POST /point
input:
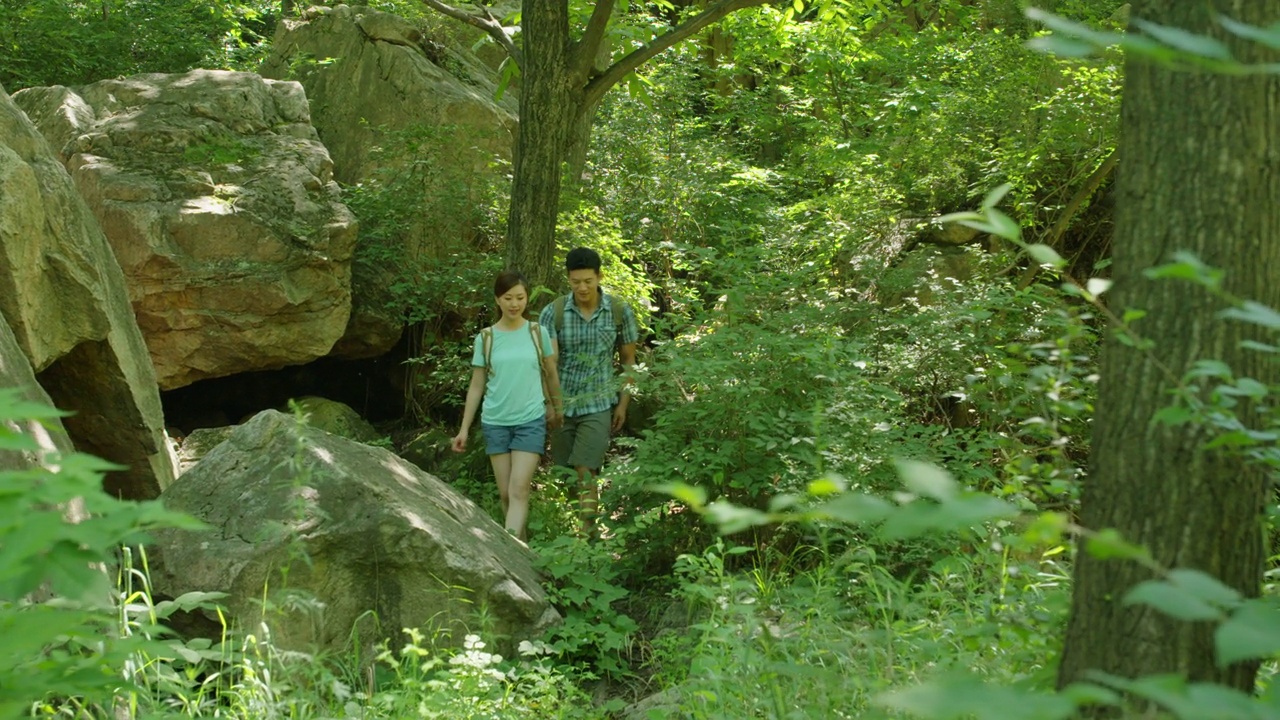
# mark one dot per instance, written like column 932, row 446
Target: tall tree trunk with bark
column 1201, row 173
column 547, row 108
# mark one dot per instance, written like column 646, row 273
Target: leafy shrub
column 47, row 42
column 61, row 532
column 426, row 254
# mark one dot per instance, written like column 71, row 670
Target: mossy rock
column 338, row 419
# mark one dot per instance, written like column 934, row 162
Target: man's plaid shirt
column 587, row 349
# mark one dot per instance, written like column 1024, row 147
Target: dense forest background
column 852, row 482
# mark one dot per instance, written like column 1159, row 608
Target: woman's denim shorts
column 530, row 437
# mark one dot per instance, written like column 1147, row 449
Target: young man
column 587, row 327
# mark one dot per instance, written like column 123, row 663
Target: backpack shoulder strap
column 486, row 343
column 558, row 313
column 616, row 306
column 618, row 314
column 536, row 331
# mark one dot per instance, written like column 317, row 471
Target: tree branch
column 599, row 85
column 1069, row 212
column 487, row 23
column 584, row 51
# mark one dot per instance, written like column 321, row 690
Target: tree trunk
column 577, row 143
column 1199, row 173
column 547, row 107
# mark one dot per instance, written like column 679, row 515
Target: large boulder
column 219, row 201
column 336, row 418
column 379, row 543
column 63, row 295
column 368, row 73
column 17, row 376
column 403, row 108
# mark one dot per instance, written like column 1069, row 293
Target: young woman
column 513, row 369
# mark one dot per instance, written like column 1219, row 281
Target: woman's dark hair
column 508, row 279
column 582, row 259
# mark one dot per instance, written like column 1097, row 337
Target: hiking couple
column 554, row 374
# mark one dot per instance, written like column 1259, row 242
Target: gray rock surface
column 386, row 545
column 64, row 298
column 391, row 101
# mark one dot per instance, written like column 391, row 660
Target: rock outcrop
column 220, row 204
column 398, row 109
column 380, row 544
column 17, row 376
column 63, row 295
column 367, row 73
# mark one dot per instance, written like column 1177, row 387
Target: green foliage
column 48, row 42
column 60, row 532
column 425, row 255
column 231, row 151
column 584, row 586
column 472, row 683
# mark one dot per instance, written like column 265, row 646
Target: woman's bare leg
column 520, row 479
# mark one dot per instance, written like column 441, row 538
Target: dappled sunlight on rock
column 380, row 536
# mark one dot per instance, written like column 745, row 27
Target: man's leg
column 590, row 443
column 588, row 499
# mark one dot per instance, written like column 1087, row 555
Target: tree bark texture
column 547, row 107
column 1201, row 173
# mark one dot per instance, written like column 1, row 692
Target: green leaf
column 1173, row 416
column 735, row 518
column 694, row 497
column 927, row 480
column 1255, row 313
column 994, row 197
column 1108, row 544
column 1171, row 600
column 1246, row 387
column 1209, row 368
column 1251, row 633
column 1199, row 45
column 959, row 217
column 1133, row 315
column 1259, row 347
column 916, row 519
column 828, row 485
column 1205, row 586
column 1062, row 46
column 854, row 509
column 1003, row 225
column 965, row 697
column 1187, row 267
column 1045, row 255
column 1266, row 36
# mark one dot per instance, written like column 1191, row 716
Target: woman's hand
column 460, row 442
column 555, row 418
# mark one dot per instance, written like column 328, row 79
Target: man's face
column 585, row 284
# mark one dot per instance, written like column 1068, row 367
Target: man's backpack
column 535, row 331
column 619, row 316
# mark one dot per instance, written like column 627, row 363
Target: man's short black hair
column 582, row 259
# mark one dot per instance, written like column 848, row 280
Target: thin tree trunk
column 1200, row 174
column 577, row 143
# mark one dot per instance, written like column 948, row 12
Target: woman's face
column 513, row 302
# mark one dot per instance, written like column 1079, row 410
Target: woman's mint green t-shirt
column 513, row 392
